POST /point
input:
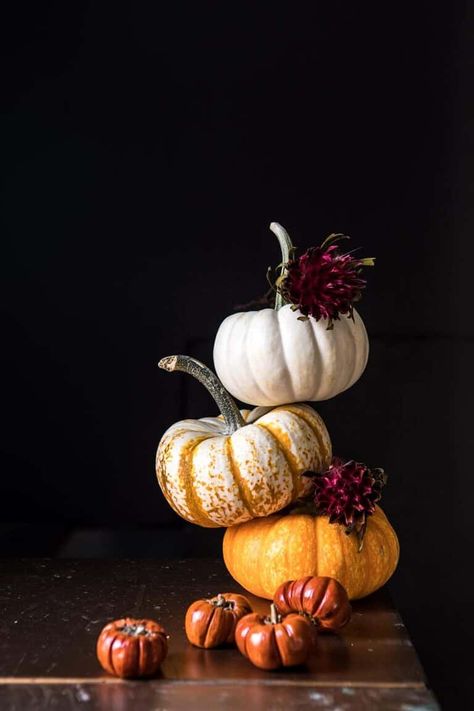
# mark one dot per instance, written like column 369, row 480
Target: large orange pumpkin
column 265, row 552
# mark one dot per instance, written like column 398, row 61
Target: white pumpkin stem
column 224, row 401
column 286, row 246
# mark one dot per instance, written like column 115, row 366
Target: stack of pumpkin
column 268, row 474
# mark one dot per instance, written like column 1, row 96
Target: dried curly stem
column 224, row 401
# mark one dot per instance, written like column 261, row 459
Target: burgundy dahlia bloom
column 324, row 282
column 347, row 492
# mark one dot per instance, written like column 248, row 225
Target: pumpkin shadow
column 329, row 658
column 156, row 676
column 217, row 663
column 330, row 655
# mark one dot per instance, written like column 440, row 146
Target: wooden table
column 53, row 610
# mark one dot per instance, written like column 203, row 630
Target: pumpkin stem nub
column 274, row 617
column 287, row 248
column 224, row 401
column 220, row 601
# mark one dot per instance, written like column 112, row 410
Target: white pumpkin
column 270, row 357
column 220, row 471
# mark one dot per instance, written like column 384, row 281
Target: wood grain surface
column 53, row 610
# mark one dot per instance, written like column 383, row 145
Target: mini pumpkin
column 324, row 600
column 266, row 552
column 285, row 354
column 273, row 642
column 211, row 623
column 132, row 648
column 220, row 471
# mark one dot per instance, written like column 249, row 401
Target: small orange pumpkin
column 324, row 600
column 264, row 553
column 274, row 642
column 131, row 648
column 211, row 623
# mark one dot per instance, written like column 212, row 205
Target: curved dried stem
column 224, row 401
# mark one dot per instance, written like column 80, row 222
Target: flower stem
column 286, row 249
column 224, row 401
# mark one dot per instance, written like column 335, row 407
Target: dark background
column 144, row 151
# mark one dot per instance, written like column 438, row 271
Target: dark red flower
column 347, row 492
column 324, row 282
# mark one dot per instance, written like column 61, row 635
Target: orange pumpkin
column 264, row 553
column 274, row 642
column 210, row 623
column 322, row 599
column 131, row 648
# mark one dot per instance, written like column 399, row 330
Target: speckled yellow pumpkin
column 262, row 554
column 220, row 471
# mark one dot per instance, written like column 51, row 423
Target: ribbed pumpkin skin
column 322, row 598
column 213, row 479
column 209, row 625
column 268, row 357
column 263, row 554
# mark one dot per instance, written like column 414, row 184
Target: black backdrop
column 145, row 149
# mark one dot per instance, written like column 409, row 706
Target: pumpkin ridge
column 317, row 349
column 115, row 668
column 287, row 594
column 161, row 472
column 285, row 359
column 256, row 381
column 319, row 600
column 354, row 359
column 263, row 546
column 379, row 527
column 208, row 626
column 341, row 544
column 275, row 645
column 162, row 476
column 312, row 525
column 291, row 466
column 192, row 500
column 382, row 518
column 142, row 651
column 109, row 655
column 376, row 532
column 324, row 452
column 237, row 478
column 366, row 349
column 163, row 484
column 322, row 597
column 384, row 528
column 235, row 319
column 283, row 632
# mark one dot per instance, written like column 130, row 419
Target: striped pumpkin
column 215, row 473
